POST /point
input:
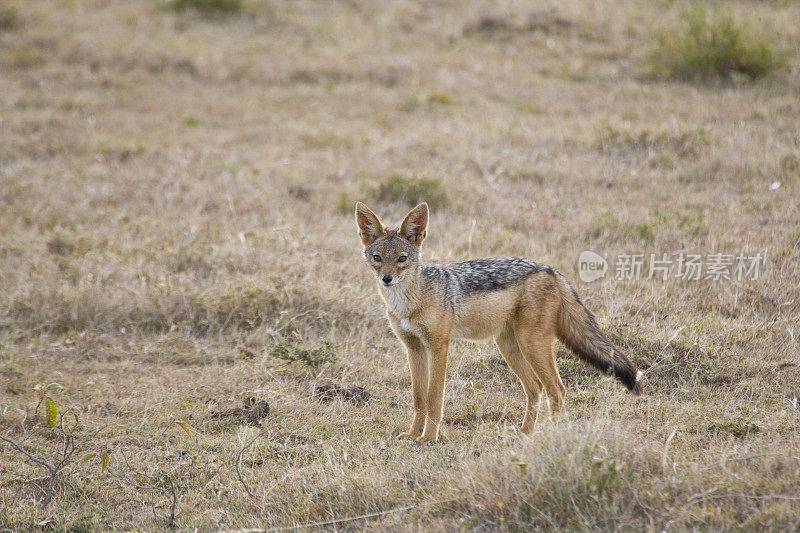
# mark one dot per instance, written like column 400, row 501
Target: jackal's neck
column 403, row 298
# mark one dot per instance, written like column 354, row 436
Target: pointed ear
column 415, row 226
column 369, row 227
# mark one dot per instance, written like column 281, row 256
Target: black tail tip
column 631, row 381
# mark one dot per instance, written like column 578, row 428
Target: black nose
column 386, row 279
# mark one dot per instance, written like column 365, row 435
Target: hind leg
column 538, row 350
column 509, row 348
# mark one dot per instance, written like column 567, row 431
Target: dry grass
column 170, row 214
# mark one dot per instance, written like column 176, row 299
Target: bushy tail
column 578, row 330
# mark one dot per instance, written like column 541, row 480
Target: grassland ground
column 176, row 194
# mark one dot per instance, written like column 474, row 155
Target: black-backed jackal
column 522, row 305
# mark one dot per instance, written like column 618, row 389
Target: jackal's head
column 392, row 253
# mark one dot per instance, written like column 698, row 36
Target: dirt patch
column 329, row 391
column 254, row 412
column 544, row 20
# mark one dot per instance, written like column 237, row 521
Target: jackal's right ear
column 369, row 226
column 415, row 225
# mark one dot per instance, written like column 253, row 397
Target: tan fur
column 524, row 319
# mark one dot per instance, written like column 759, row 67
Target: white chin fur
column 396, row 299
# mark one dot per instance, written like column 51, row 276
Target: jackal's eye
column 376, row 258
column 402, row 259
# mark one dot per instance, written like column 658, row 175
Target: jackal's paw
column 407, row 435
column 427, row 439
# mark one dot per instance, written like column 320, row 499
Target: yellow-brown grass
column 169, row 212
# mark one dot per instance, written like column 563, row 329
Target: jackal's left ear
column 415, row 225
column 369, row 226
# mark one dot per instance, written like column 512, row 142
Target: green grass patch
column 345, row 203
column 291, row 349
column 9, row 19
column 414, row 101
column 608, row 225
column 713, row 46
column 694, row 224
column 209, row 7
column 737, row 428
column 411, row 190
column 644, row 232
